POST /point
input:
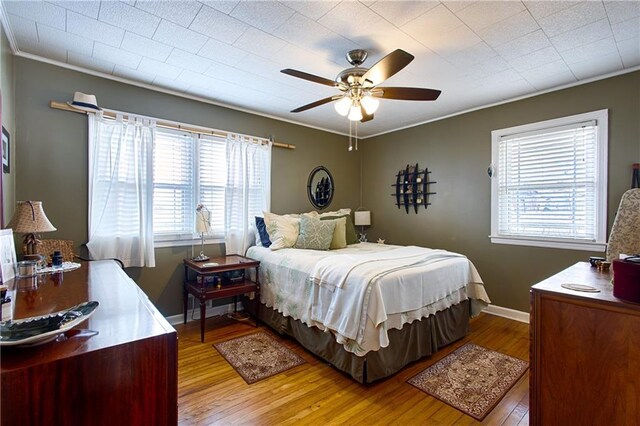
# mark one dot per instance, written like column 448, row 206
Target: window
column 549, row 183
column 145, row 182
column 187, row 169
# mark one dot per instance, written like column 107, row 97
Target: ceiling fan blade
column 315, row 104
column 365, row 117
column 387, row 66
column 309, row 77
column 407, row 93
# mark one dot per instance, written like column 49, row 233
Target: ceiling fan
column 359, row 86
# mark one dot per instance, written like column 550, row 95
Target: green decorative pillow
column 314, row 234
column 339, row 239
column 350, row 229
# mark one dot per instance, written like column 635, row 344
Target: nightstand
column 218, row 278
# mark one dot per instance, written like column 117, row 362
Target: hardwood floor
column 211, row 392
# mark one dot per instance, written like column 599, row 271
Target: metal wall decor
column 320, row 187
column 412, row 188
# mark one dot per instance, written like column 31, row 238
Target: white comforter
column 360, row 292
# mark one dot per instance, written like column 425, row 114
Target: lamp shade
column 29, row 218
column 203, row 221
column 362, row 218
column 370, row 104
column 343, row 105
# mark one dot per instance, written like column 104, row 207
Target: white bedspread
column 360, row 292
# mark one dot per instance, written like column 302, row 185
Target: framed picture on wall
column 7, row 256
column 5, row 150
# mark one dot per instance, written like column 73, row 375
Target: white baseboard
column 210, row 312
column 507, row 313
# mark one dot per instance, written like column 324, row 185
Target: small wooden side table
column 205, row 281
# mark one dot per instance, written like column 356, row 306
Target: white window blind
column 173, row 185
column 188, row 169
column 211, row 178
column 549, row 186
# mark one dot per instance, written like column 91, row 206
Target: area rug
column 472, row 379
column 257, row 356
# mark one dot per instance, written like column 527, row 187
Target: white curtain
column 248, row 190
column 121, row 189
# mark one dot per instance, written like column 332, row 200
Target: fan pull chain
column 350, row 143
column 356, row 124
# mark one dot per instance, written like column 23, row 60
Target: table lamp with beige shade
column 362, row 219
column 29, row 219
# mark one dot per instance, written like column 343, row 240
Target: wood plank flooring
column 211, row 392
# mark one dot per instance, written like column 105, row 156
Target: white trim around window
column 549, row 183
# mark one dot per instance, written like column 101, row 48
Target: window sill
column 183, row 243
column 584, row 246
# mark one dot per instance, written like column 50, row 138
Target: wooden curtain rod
column 164, row 124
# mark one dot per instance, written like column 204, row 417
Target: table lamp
column 203, row 226
column 362, row 219
column 29, row 219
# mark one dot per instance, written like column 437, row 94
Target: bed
column 369, row 309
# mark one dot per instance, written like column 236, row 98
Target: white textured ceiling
column 231, row 52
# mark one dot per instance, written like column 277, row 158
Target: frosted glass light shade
column 355, row 114
column 370, row 104
column 362, row 218
column 342, row 106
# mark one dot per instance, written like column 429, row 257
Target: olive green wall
column 52, row 146
column 53, row 168
column 458, row 151
column 8, row 121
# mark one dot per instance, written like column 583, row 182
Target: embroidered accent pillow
column 315, row 234
column 282, row 230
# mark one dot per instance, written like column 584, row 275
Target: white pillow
column 340, row 212
column 282, row 230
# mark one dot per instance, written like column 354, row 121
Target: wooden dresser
column 126, row 374
column 585, row 352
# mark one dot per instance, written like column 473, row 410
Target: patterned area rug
column 257, row 356
column 472, row 379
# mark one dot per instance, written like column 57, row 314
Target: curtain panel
column 121, row 189
column 247, row 191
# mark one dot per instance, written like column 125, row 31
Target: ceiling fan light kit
column 369, row 103
column 343, row 105
column 359, row 85
column 355, row 112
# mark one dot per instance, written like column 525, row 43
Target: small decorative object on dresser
column 6, row 153
column 7, row 256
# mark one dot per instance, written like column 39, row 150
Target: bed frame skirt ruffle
column 414, row 341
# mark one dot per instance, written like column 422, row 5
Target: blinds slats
column 191, row 169
column 546, row 183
